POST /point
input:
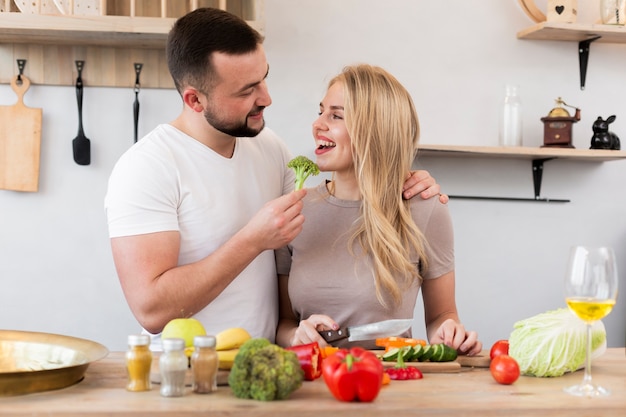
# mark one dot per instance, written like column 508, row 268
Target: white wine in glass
column 590, row 292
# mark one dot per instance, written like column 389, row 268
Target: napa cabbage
column 553, row 343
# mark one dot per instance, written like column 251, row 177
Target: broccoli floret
column 303, row 167
column 264, row 371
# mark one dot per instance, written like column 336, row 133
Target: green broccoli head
column 264, row 371
column 239, row 378
column 303, row 167
column 291, row 376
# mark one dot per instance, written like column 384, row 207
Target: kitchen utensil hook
column 138, row 67
column 21, row 63
column 79, row 69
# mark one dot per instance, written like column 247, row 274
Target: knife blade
column 368, row 331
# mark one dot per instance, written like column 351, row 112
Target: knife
column 369, row 331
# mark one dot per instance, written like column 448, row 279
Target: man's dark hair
column 195, row 37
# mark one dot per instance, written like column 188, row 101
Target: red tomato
column 501, row 347
column 504, row 369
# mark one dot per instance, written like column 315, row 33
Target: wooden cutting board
column 20, row 142
column 479, row 361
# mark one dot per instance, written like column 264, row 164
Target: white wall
column 56, row 271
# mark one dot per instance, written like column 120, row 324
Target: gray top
column 325, row 278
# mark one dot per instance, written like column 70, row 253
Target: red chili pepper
column 353, row 375
column 310, row 358
column 401, row 372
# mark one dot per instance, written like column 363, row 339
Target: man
column 196, row 208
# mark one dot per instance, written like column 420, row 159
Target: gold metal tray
column 33, row 362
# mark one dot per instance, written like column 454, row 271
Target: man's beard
column 238, row 130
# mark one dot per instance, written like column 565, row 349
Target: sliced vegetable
column 395, row 341
column 353, row 375
column 449, row 353
column 438, row 352
column 416, row 352
column 386, row 378
column 328, row 350
column 401, row 372
column 427, row 353
column 310, row 358
column 391, row 355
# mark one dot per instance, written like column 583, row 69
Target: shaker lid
column 204, row 341
column 173, row 343
column 138, row 340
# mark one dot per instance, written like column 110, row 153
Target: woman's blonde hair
column 382, row 123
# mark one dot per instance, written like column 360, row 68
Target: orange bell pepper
column 396, row 341
column 328, row 350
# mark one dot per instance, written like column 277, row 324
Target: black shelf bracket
column 537, row 167
column 583, row 58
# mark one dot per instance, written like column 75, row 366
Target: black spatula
column 80, row 144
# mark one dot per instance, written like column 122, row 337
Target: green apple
column 185, row 329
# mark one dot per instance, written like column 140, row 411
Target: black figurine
column 602, row 138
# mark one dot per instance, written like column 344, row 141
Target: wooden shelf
column 574, row 32
column 115, row 31
column 536, row 155
column 110, row 44
column 131, row 32
column 520, row 152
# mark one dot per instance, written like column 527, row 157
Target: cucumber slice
column 449, row 354
column 416, row 352
column 427, row 353
column 406, row 352
column 391, row 355
column 438, row 353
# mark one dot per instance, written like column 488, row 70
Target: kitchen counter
column 470, row 392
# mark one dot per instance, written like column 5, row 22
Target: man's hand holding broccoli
column 303, row 167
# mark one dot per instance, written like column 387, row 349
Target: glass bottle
column 173, row 367
column 204, row 364
column 138, row 363
column 612, row 12
column 511, row 118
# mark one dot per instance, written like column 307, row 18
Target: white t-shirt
column 170, row 181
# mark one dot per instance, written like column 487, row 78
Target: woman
column 364, row 252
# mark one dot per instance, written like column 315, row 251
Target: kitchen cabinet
column 537, row 156
column 111, row 42
column 584, row 34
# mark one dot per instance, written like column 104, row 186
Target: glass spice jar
column 612, row 12
column 173, row 367
column 204, row 364
column 138, row 363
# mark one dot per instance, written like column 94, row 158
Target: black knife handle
column 335, row 335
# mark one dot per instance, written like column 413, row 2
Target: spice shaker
column 173, row 367
column 138, row 363
column 204, row 364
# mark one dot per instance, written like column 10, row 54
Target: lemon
column 185, row 329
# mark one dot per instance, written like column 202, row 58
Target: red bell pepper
column 353, row 375
column 310, row 358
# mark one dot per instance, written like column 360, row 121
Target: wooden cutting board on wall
column 20, row 142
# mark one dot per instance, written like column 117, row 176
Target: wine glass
column 590, row 292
